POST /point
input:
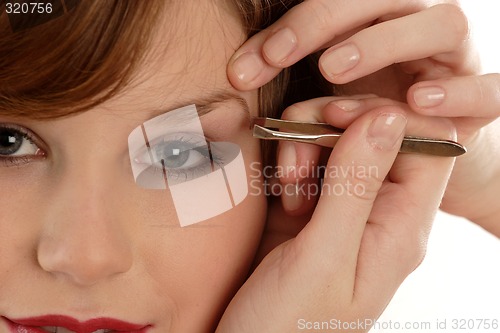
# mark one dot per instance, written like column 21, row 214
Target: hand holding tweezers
column 327, row 136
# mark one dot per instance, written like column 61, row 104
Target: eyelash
column 9, row 161
column 18, row 161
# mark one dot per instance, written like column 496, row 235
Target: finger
column 305, row 28
column 299, row 164
column 336, row 114
column 333, row 235
column 297, row 159
column 343, row 112
column 441, row 29
column 300, row 198
column 247, row 69
column 471, row 96
column 395, row 239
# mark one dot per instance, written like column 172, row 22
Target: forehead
column 193, row 42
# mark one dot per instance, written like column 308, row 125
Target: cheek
column 200, row 267
column 19, row 207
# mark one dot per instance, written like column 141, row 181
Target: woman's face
column 79, row 237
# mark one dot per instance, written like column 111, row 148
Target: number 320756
column 28, row 8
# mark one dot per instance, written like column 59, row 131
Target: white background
column 484, row 17
column 460, row 276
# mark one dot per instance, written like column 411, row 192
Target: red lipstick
column 35, row 324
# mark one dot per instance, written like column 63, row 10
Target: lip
column 34, row 324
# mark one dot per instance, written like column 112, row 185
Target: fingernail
column 386, row 130
column 347, row 104
column 248, row 66
column 341, row 60
column 292, row 197
column 280, row 45
column 428, row 97
column 287, row 158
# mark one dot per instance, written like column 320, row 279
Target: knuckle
column 457, row 22
column 415, row 254
column 322, row 12
column 486, row 90
column 309, row 111
column 408, row 247
column 293, row 112
column 387, row 43
column 362, row 183
column 413, row 243
column 479, row 95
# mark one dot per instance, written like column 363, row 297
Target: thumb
column 353, row 177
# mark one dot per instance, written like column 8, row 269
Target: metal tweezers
column 325, row 135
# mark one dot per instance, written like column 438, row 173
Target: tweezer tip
column 260, row 132
column 460, row 149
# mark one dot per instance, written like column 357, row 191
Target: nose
column 84, row 237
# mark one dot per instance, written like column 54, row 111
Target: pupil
column 174, row 155
column 10, row 141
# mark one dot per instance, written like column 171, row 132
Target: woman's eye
column 175, row 158
column 18, row 146
column 15, row 143
column 182, row 158
column 180, row 155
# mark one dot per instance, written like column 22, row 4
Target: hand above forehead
column 361, row 38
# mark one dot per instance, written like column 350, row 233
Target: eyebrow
column 207, row 104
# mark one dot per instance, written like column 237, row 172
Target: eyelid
column 203, row 140
column 179, row 136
